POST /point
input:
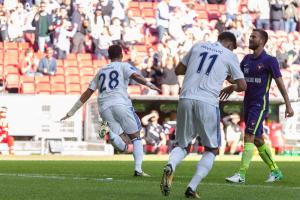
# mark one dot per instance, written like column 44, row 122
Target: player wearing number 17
column 205, row 66
column 114, row 104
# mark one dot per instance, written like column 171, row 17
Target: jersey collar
column 263, row 53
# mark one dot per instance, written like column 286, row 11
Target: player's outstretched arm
column 141, row 80
column 83, row 98
column 289, row 112
column 239, row 86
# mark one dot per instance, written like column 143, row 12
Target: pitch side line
column 59, row 177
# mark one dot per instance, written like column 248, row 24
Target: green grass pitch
column 88, row 180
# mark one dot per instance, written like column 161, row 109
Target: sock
column 138, row 154
column 246, row 158
column 203, row 167
column 176, row 156
column 117, row 142
column 266, row 155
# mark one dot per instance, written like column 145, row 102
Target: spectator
column 15, row 24
column 62, row 41
column 291, row 16
column 233, row 131
column 4, row 131
column 231, row 9
column 246, row 19
column 43, row 25
column 162, row 18
column 276, row 14
column 118, row 10
column 28, row 65
column 176, row 23
column 190, row 15
column 103, row 42
column 170, row 129
column 106, row 7
column 155, row 135
column 79, row 21
column 97, row 24
column 263, row 15
column 282, row 56
column 169, row 79
column 3, row 26
column 116, row 31
column 221, row 24
column 132, row 33
column 47, row 65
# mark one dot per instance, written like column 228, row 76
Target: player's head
column 228, row 40
column 258, row 38
column 3, row 111
column 115, row 52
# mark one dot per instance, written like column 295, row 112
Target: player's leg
column 131, row 125
column 254, row 119
column 184, row 136
column 116, row 135
column 266, row 155
column 208, row 118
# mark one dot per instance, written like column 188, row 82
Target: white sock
column 203, row 168
column 176, row 156
column 138, row 154
column 117, row 141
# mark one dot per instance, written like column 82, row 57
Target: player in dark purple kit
column 259, row 68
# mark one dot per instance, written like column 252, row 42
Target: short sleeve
column 234, row 68
column 274, row 68
column 129, row 70
column 186, row 58
column 94, row 83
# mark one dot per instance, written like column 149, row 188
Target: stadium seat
column 58, row 88
column 86, row 79
column 73, row 89
column 69, row 63
column 11, row 45
column 43, row 88
column 1, row 45
column 72, row 79
column 144, row 5
column 71, row 71
column 212, row 7
column 11, row 69
column 27, row 88
column 26, row 79
column 200, row 7
column 60, row 70
column 202, row 15
column 148, row 13
column 136, row 12
column 87, row 71
column 12, row 81
column 57, row 79
column 71, row 56
column 60, row 62
column 84, row 56
column 133, row 4
column 42, row 79
column 24, row 45
column 99, row 63
column 85, row 63
column 1, row 73
column 11, row 57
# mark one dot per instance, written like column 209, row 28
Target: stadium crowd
column 154, row 35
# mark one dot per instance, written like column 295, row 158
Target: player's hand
column 153, row 87
column 226, row 92
column 289, row 112
column 64, row 118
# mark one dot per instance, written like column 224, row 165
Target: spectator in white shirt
column 104, row 41
column 132, row 34
column 162, row 18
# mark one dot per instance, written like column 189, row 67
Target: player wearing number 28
column 205, row 67
column 114, row 104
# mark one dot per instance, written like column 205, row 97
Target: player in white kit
column 205, row 67
column 115, row 106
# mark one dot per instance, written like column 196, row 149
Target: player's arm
column 180, row 69
column 141, row 80
column 83, row 98
column 289, row 112
column 240, row 85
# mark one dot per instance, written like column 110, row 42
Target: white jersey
column 112, row 83
column 208, row 65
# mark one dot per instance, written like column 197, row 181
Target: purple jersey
column 258, row 74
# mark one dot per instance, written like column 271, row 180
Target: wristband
column 76, row 106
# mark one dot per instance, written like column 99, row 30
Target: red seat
column 42, row 79
column 134, row 89
column 86, row 79
column 85, row 63
column 11, row 45
column 26, row 79
column 84, row 56
column 71, row 71
column 12, row 81
column 73, row 89
column 71, row 56
column 133, row 4
column 212, row 7
column 57, row 79
column 60, row 70
column 202, row 15
column 11, row 57
column 87, row 71
column 27, row 88
column 99, row 63
column 60, row 62
column 24, row 45
column 148, row 13
column 70, row 63
column 200, row 7
column 43, row 88
column 84, row 87
column 136, row 12
column 58, row 88
column 72, row 79
column 11, row 69
column 148, row 5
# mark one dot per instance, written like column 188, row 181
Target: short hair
column 114, row 51
column 227, row 36
column 263, row 34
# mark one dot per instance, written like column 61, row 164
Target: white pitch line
column 59, row 177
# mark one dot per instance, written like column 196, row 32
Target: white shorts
column 121, row 119
column 197, row 118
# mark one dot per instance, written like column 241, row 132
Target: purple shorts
column 254, row 118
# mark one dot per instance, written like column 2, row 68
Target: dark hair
column 114, row 51
column 227, row 36
column 262, row 34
